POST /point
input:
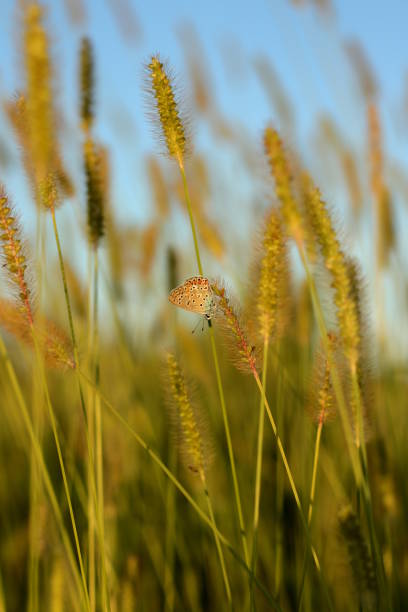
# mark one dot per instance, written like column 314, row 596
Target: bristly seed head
column 273, row 277
column 383, row 201
column 242, row 350
column 167, row 108
column 322, row 402
column 280, row 170
column 52, row 342
column 86, row 76
column 38, row 115
column 13, row 252
column 94, row 192
column 186, row 419
column 335, row 262
column 361, row 562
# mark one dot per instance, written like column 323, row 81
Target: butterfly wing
column 194, row 295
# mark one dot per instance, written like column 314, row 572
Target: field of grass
column 256, row 463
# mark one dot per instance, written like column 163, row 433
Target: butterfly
column 195, row 295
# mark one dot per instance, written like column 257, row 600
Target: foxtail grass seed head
column 53, row 343
column 37, row 127
column 335, row 263
column 40, row 114
column 359, row 557
column 383, row 201
column 94, row 193
column 322, row 401
column 86, row 77
column 167, row 111
column 281, row 173
column 273, row 277
column 242, row 351
column 185, row 418
column 360, row 398
column 13, row 255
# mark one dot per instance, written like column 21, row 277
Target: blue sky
column 304, row 46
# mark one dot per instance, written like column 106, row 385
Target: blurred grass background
column 343, row 115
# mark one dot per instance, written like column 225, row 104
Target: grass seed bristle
column 281, row 173
column 94, row 192
column 335, row 262
column 359, row 557
column 86, row 79
column 189, row 428
column 167, row 109
column 381, row 193
column 242, row 351
column 273, row 278
column 39, row 131
column 13, row 254
column 53, row 343
column 322, row 402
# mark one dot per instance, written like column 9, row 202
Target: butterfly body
column 195, row 295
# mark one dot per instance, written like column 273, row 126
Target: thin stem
column 358, row 459
column 294, row 490
column 61, row 462
column 229, row 445
column 217, row 540
column 190, row 214
column 279, row 491
column 156, row 459
column 314, row 473
column 98, row 423
column 91, row 431
column 40, row 460
column 219, row 380
column 81, row 395
column 258, row 470
column 311, row 503
column 168, row 582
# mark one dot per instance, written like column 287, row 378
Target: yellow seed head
column 35, row 121
column 188, row 425
column 242, row 351
column 279, row 167
column 48, row 191
column 359, row 556
column 273, row 277
column 360, row 398
column 13, row 253
column 94, row 192
column 53, row 343
column 86, row 78
column 381, row 193
column 335, row 263
column 167, row 109
column 322, row 405
column 40, row 114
